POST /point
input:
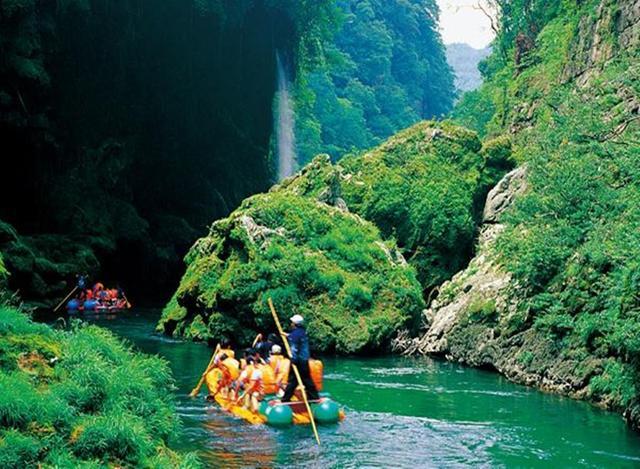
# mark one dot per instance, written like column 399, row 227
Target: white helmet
column 276, row 349
column 297, row 319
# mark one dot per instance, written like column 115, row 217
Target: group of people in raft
column 264, row 370
column 113, row 298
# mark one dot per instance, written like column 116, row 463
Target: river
column 401, row 412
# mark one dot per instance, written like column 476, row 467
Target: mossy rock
column 329, row 265
column 424, row 187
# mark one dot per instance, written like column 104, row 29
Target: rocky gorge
column 531, row 271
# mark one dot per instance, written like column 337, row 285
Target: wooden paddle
column 303, row 391
column 65, row 299
column 255, row 341
column 196, row 390
column 125, row 299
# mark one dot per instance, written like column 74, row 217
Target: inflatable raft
column 280, row 414
column 75, row 305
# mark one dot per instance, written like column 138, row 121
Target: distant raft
column 280, row 414
column 98, row 299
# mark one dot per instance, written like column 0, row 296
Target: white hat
column 297, row 319
column 276, row 349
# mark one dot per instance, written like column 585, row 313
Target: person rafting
column 229, row 371
column 280, row 366
column 269, row 385
column 225, row 349
column 300, row 355
column 263, row 347
column 251, row 379
column 82, row 281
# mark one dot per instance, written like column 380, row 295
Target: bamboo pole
column 65, row 299
column 196, row 390
column 255, row 341
column 295, row 370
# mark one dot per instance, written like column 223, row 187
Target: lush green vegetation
column 424, row 187
column 310, row 258
column 385, row 70
column 81, row 398
column 3, row 270
column 572, row 241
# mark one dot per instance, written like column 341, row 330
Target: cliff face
column 129, row 127
column 550, row 299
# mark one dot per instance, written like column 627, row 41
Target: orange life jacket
column 228, row 352
column 268, row 379
column 316, row 368
column 280, row 366
column 231, row 366
column 251, row 384
column 213, row 379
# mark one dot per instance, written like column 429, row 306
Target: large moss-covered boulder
column 424, row 187
column 331, row 266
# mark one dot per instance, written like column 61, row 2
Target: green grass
column 81, row 398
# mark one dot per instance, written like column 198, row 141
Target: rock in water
column 311, row 258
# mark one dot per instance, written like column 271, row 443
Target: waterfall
column 284, row 123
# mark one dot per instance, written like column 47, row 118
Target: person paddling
column 230, row 371
column 263, row 347
column 300, row 354
column 251, row 381
column 225, row 349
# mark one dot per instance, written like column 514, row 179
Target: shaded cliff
column 129, row 126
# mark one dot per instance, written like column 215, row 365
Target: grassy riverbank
column 82, row 398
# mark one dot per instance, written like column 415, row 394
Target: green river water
column 401, row 412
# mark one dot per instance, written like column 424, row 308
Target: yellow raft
column 276, row 413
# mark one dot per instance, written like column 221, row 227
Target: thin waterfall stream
column 284, row 121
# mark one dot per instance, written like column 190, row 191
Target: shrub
column 114, row 436
column 18, row 450
column 616, row 384
column 482, row 310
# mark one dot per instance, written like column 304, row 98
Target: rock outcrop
column 311, row 258
column 483, row 284
column 615, row 26
column 475, row 319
